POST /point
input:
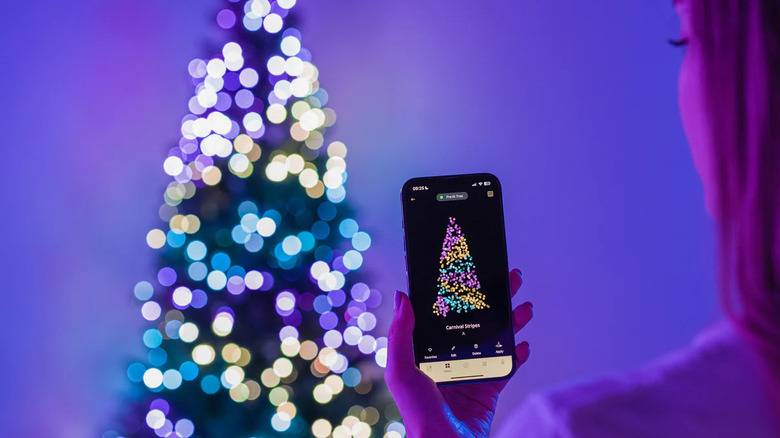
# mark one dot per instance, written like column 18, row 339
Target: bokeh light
column 223, row 323
column 203, row 354
column 153, row 378
column 255, row 236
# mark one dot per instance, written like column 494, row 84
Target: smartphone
column 456, row 264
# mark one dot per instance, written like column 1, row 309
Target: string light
column 256, row 131
column 458, row 286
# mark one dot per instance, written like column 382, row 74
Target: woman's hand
column 451, row 411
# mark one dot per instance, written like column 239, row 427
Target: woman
column 727, row 383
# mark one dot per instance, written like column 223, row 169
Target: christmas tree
column 258, row 321
column 458, row 288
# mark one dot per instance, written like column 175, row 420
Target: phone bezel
column 405, row 189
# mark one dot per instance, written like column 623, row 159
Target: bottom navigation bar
column 466, row 369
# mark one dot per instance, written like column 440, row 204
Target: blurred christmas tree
column 258, row 323
column 459, row 288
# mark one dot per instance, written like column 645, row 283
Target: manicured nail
column 397, row 299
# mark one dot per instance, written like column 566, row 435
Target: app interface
column 457, row 267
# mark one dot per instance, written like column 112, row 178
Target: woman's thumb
column 400, row 352
column 416, row 395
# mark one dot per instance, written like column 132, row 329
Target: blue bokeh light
column 196, row 250
column 135, row 372
column 351, row 377
column 353, row 259
column 322, row 304
column 307, row 240
column 197, row 271
column 210, row 384
column 143, row 290
column 247, row 207
column 275, row 215
column 171, row 379
column 217, row 280
column 239, row 234
column 291, row 245
column 348, row 228
column 189, row 370
column 361, row 241
column 152, row 338
column 320, row 230
column 157, row 356
column 326, row 211
column 220, row 261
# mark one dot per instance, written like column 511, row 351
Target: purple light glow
column 166, row 276
column 329, row 320
column 226, row 18
column 161, row 405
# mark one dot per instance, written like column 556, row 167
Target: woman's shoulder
column 710, row 388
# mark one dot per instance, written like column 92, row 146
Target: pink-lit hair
column 740, row 44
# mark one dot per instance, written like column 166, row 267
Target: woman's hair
column 740, row 54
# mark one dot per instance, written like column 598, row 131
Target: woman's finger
column 515, row 281
column 521, row 315
column 522, row 351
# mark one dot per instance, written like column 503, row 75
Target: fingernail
column 397, row 299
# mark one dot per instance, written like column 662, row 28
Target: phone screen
column 458, row 277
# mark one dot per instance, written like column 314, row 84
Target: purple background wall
column 572, row 104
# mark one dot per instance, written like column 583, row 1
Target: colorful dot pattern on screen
column 458, row 287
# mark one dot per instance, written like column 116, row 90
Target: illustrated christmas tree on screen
column 459, row 288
